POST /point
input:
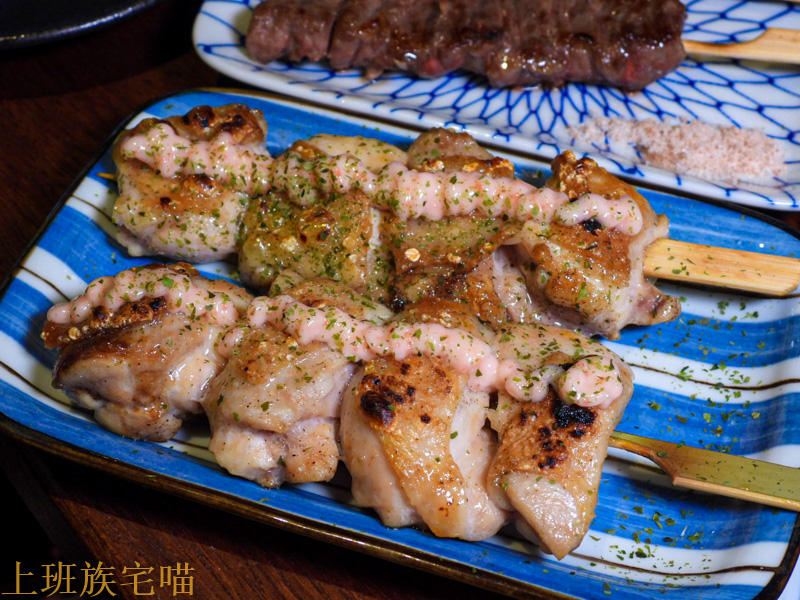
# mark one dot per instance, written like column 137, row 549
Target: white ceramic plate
column 534, row 121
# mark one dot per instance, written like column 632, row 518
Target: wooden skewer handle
column 718, row 473
column 722, row 267
column 774, row 45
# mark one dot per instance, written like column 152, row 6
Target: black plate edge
column 36, row 38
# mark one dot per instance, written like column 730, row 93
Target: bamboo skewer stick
column 718, row 473
column 722, row 267
column 774, row 45
column 696, row 468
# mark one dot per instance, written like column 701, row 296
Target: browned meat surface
column 448, row 151
column 338, row 238
column 191, row 213
column 428, row 439
column 404, row 424
column 511, row 42
column 588, row 277
column 550, row 464
column 585, row 276
column 626, row 43
column 384, row 35
column 272, row 34
column 549, row 461
column 415, row 441
column 141, row 381
column 143, row 367
column 102, row 320
column 246, row 126
column 452, row 258
column 274, row 410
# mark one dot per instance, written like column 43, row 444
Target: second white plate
column 535, row 121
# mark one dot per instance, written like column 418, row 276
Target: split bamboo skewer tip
column 718, row 473
column 722, row 267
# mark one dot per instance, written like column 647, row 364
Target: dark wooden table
column 58, row 104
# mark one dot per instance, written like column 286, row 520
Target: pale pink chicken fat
column 592, row 383
column 436, row 195
column 412, row 194
column 409, row 193
column 180, row 292
column 617, row 213
column 170, row 153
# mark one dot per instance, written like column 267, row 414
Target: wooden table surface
column 59, row 103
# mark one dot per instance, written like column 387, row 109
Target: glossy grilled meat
column 423, row 447
column 585, row 276
column 450, row 258
column 142, row 381
column 338, row 237
column 589, row 277
column 511, row 42
column 548, row 465
column 142, row 368
column 453, row 258
column 415, row 441
column 439, row 149
column 194, row 213
column 274, row 410
column 274, row 33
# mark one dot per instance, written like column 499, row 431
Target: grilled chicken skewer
column 424, row 439
column 185, row 183
column 270, row 373
column 325, row 211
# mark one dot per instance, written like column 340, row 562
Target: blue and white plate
column 534, row 121
column 724, row 376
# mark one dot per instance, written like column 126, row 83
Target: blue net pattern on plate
column 535, row 120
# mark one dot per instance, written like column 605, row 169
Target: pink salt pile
column 711, row 152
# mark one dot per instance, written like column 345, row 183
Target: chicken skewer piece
column 415, row 440
column 551, row 449
column 274, row 409
column 339, row 236
column 184, row 182
column 140, row 348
